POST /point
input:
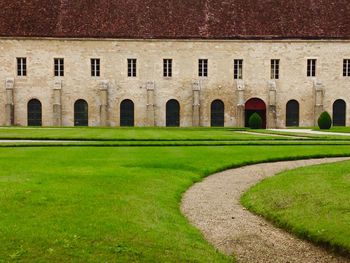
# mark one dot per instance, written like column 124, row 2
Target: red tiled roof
column 176, row 19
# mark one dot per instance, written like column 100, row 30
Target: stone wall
column 150, row 90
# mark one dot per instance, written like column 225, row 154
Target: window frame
column 275, row 69
column 132, row 67
column 311, row 67
column 167, row 68
column 59, row 67
column 95, row 67
column 238, row 69
column 22, row 70
column 346, row 67
column 203, row 67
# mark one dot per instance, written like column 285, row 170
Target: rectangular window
column 311, row 67
column 167, row 68
column 238, row 69
column 22, row 67
column 275, row 68
column 95, row 67
column 346, row 68
column 203, row 68
column 59, row 67
column 132, row 67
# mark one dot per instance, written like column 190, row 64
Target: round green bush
column 325, row 121
column 255, row 121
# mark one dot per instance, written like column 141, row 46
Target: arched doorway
column 292, row 113
column 255, row 105
column 34, row 111
column 81, row 113
column 217, row 113
column 339, row 113
column 127, row 113
column 173, row 113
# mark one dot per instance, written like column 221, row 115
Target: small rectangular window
column 59, row 67
column 22, row 67
column 95, row 67
column 167, row 68
column 346, row 68
column 132, row 62
column 311, row 67
column 203, row 67
column 275, row 68
column 238, row 69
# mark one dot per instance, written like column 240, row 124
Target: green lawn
column 93, row 204
column 131, row 134
column 312, row 202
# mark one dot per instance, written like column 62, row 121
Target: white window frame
column 95, row 67
column 167, row 67
column 238, row 69
column 132, row 67
column 21, row 66
column 203, row 67
column 59, row 67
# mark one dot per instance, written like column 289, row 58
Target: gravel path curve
column 213, row 206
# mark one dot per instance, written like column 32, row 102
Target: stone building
column 173, row 63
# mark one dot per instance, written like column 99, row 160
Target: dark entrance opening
column 34, row 111
column 81, row 113
column 217, row 113
column 255, row 105
column 127, row 113
column 339, row 113
column 173, row 113
column 292, row 113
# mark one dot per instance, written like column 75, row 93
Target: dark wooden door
column 172, row 113
column 217, row 113
column 34, row 113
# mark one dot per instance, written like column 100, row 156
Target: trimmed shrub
column 325, row 121
column 255, row 121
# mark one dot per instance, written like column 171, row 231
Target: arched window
column 126, row 113
column 34, row 113
column 217, row 114
column 81, row 113
column 339, row 113
column 292, row 113
column 255, row 105
column 172, row 113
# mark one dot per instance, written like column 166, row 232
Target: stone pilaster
column 319, row 96
column 272, row 109
column 57, row 103
column 103, row 96
column 150, row 86
column 9, row 104
column 240, row 88
column 196, row 88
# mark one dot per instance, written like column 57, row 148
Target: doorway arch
column 127, row 113
column 34, row 113
column 255, row 105
column 292, row 113
column 339, row 113
column 81, row 113
column 217, row 118
column 173, row 113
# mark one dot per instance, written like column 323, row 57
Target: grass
column 312, row 202
column 131, row 134
column 93, row 204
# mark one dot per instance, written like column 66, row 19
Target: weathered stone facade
column 150, row 90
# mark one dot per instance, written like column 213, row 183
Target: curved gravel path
column 213, row 206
